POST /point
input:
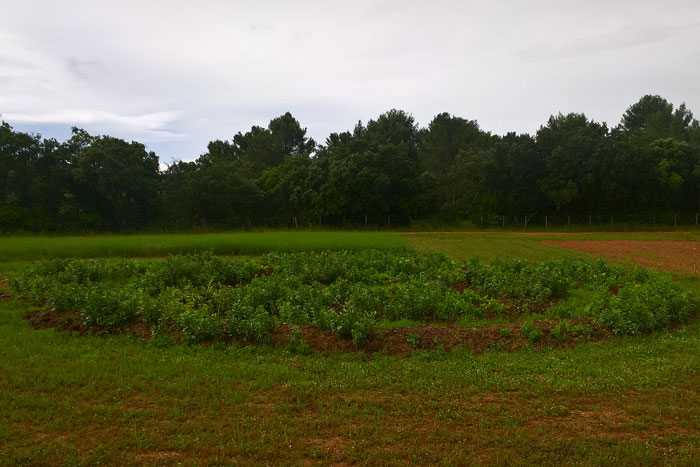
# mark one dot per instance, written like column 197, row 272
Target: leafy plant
column 559, row 332
column 531, row 332
column 413, row 340
column 296, row 342
column 581, row 330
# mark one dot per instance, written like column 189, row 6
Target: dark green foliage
column 206, row 297
column 560, row 331
column 107, row 305
column 531, row 332
column 451, row 170
column 296, row 341
column 413, row 340
column 250, row 324
column 581, row 330
column 650, row 302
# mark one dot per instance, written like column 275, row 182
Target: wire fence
column 532, row 221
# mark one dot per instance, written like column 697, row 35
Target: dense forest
column 452, row 169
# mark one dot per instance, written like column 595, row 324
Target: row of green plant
column 206, row 297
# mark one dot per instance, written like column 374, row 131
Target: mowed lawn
column 255, row 243
column 118, row 400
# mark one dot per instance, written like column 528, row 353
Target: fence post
column 388, row 221
column 365, row 220
column 546, row 223
column 482, row 222
column 568, row 222
column 504, row 221
column 295, row 222
column 319, row 221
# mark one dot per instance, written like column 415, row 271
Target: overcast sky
column 177, row 74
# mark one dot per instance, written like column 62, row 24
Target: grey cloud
column 260, row 27
column 82, row 69
column 12, row 62
column 596, row 44
column 175, row 75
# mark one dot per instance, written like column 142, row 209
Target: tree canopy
column 649, row 162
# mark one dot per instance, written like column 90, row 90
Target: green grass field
column 72, row 400
column 100, row 246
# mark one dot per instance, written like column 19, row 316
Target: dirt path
column 658, row 254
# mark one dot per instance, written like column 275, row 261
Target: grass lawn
column 37, row 247
column 118, row 400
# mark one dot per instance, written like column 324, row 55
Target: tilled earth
column 659, row 254
column 392, row 341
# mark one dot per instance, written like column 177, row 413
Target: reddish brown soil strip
column 68, row 321
column 659, row 254
column 5, row 293
column 393, row 341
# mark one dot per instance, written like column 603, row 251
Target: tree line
column 649, row 162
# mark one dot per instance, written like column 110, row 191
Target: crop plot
column 659, row 254
column 391, row 302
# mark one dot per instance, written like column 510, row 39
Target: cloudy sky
column 176, row 74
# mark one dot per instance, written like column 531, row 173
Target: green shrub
column 581, row 330
column 349, row 322
column 296, row 342
column 198, row 324
column 531, row 332
column 559, row 332
column 106, row 305
column 646, row 306
column 413, row 340
column 250, row 324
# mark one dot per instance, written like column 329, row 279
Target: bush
column 198, row 324
column 249, row 323
column 413, row 340
column 106, row 305
column 559, row 332
column 349, row 322
column 531, row 332
column 644, row 307
column 581, row 330
column 296, row 342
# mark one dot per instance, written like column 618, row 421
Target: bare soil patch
column 5, row 293
column 71, row 322
column 392, row 341
column 666, row 255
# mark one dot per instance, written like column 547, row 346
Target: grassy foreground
column 118, row 400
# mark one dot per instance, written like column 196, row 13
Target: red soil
column 659, row 254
